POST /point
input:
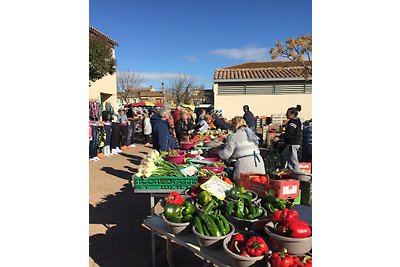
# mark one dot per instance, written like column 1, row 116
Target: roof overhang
column 261, row 80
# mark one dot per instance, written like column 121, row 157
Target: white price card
column 216, row 187
column 189, row 170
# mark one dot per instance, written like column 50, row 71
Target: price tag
column 189, row 170
column 216, row 187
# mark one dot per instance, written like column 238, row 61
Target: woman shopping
column 292, row 138
column 242, row 145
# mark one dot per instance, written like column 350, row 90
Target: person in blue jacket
column 162, row 139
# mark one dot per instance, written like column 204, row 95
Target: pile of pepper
column 208, row 203
column 287, row 224
column 282, row 259
column 272, row 204
column 244, row 209
column 177, row 210
column 251, row 247
column 212, row 224
column 239, row 192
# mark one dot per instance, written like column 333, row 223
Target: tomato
column 263, row 179
column 256, row 179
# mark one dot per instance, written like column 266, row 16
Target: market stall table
column 160, row 193
column 188, row 241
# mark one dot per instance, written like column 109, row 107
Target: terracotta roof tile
column 93, row 30
column 261, row 70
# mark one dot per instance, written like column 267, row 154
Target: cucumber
column 198, row 226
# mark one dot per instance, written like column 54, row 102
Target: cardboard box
column 284, row 189
column 245, row 179
column 305, row 167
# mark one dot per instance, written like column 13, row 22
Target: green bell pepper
column 172, row 210
column 241, row 189
column 204, row 198
column 239, row 209
column 234, row 193
column 188, row 208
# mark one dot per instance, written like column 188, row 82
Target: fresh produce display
column 239, row 192
column 154, row 165
column 203, row 198
column 272, row 204
column 259, row 178
column 212, row 224
column 253, row 246
column 178, row 213
column 287, row 224
column 244, row 209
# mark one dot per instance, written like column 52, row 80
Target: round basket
column 241, row 261
column 244, row 224
column 212, row 242
column 177, row 159
column 188, row 146
column 177, row 228
column 293, row 245
column 214, row 169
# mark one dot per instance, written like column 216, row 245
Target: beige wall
column 106, row 85
column 262, row 105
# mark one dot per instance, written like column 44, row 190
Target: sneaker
column 118, row 149
column 114, row 151
column 96, row 159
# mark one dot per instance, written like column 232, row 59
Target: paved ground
column 116, row 237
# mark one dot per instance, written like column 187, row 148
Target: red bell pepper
column 305, row 262
column 237, row 243
column 276, row 216
column 256, row 246
column 288, row 216
column 282, row 259
column 175, row 198
column 299, row 229
column 244, row 253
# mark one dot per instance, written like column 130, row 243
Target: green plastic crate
column 165, row 182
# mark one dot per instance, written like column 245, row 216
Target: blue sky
column 159, row 39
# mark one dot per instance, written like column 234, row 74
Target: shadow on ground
column 128, row 243
column 118, row 173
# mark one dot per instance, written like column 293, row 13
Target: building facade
column 267, row 87
column 105, row 89
column 136, row 95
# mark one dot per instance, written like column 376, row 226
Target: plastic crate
column 165, row 182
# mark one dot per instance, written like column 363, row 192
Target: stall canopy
column 143, row 104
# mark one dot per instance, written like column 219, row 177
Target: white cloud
column 157, row 76
column 246, row 53
column 192, row 58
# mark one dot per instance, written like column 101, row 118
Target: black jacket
column 294, row 132
column 220, row 123
column 181, row 128
column 249, row 118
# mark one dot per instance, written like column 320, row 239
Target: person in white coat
column 147, row 128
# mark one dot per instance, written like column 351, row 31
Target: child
column 147, row 128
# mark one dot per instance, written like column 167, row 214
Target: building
column 202, row 96
column 267, row 87
column 135, row 95
column 105, row 89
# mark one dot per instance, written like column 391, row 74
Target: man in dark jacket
column 249, row 118
column 162, row 139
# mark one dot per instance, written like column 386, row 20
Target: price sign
column 216, row 187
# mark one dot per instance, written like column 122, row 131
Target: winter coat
column 162, row 139
column 239, row 146
column 182, row 128
column 249, row 118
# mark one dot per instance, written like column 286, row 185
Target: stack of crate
column 278, row 118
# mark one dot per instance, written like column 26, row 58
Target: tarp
column 143, row 104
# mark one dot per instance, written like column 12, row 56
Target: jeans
column 130, row 131
column 289, row 154
column 108, row 130
column 115, row 135
column 93, row 142
column 124, row 134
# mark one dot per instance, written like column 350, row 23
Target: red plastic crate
column 305, row 167
column 284, row 189
column 244, row 179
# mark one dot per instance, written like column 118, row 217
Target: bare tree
column 126, row 80
column 296, row 49
column 182, row 88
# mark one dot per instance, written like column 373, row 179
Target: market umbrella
column 142, row 104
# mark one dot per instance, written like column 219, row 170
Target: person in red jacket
column 177, row 113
